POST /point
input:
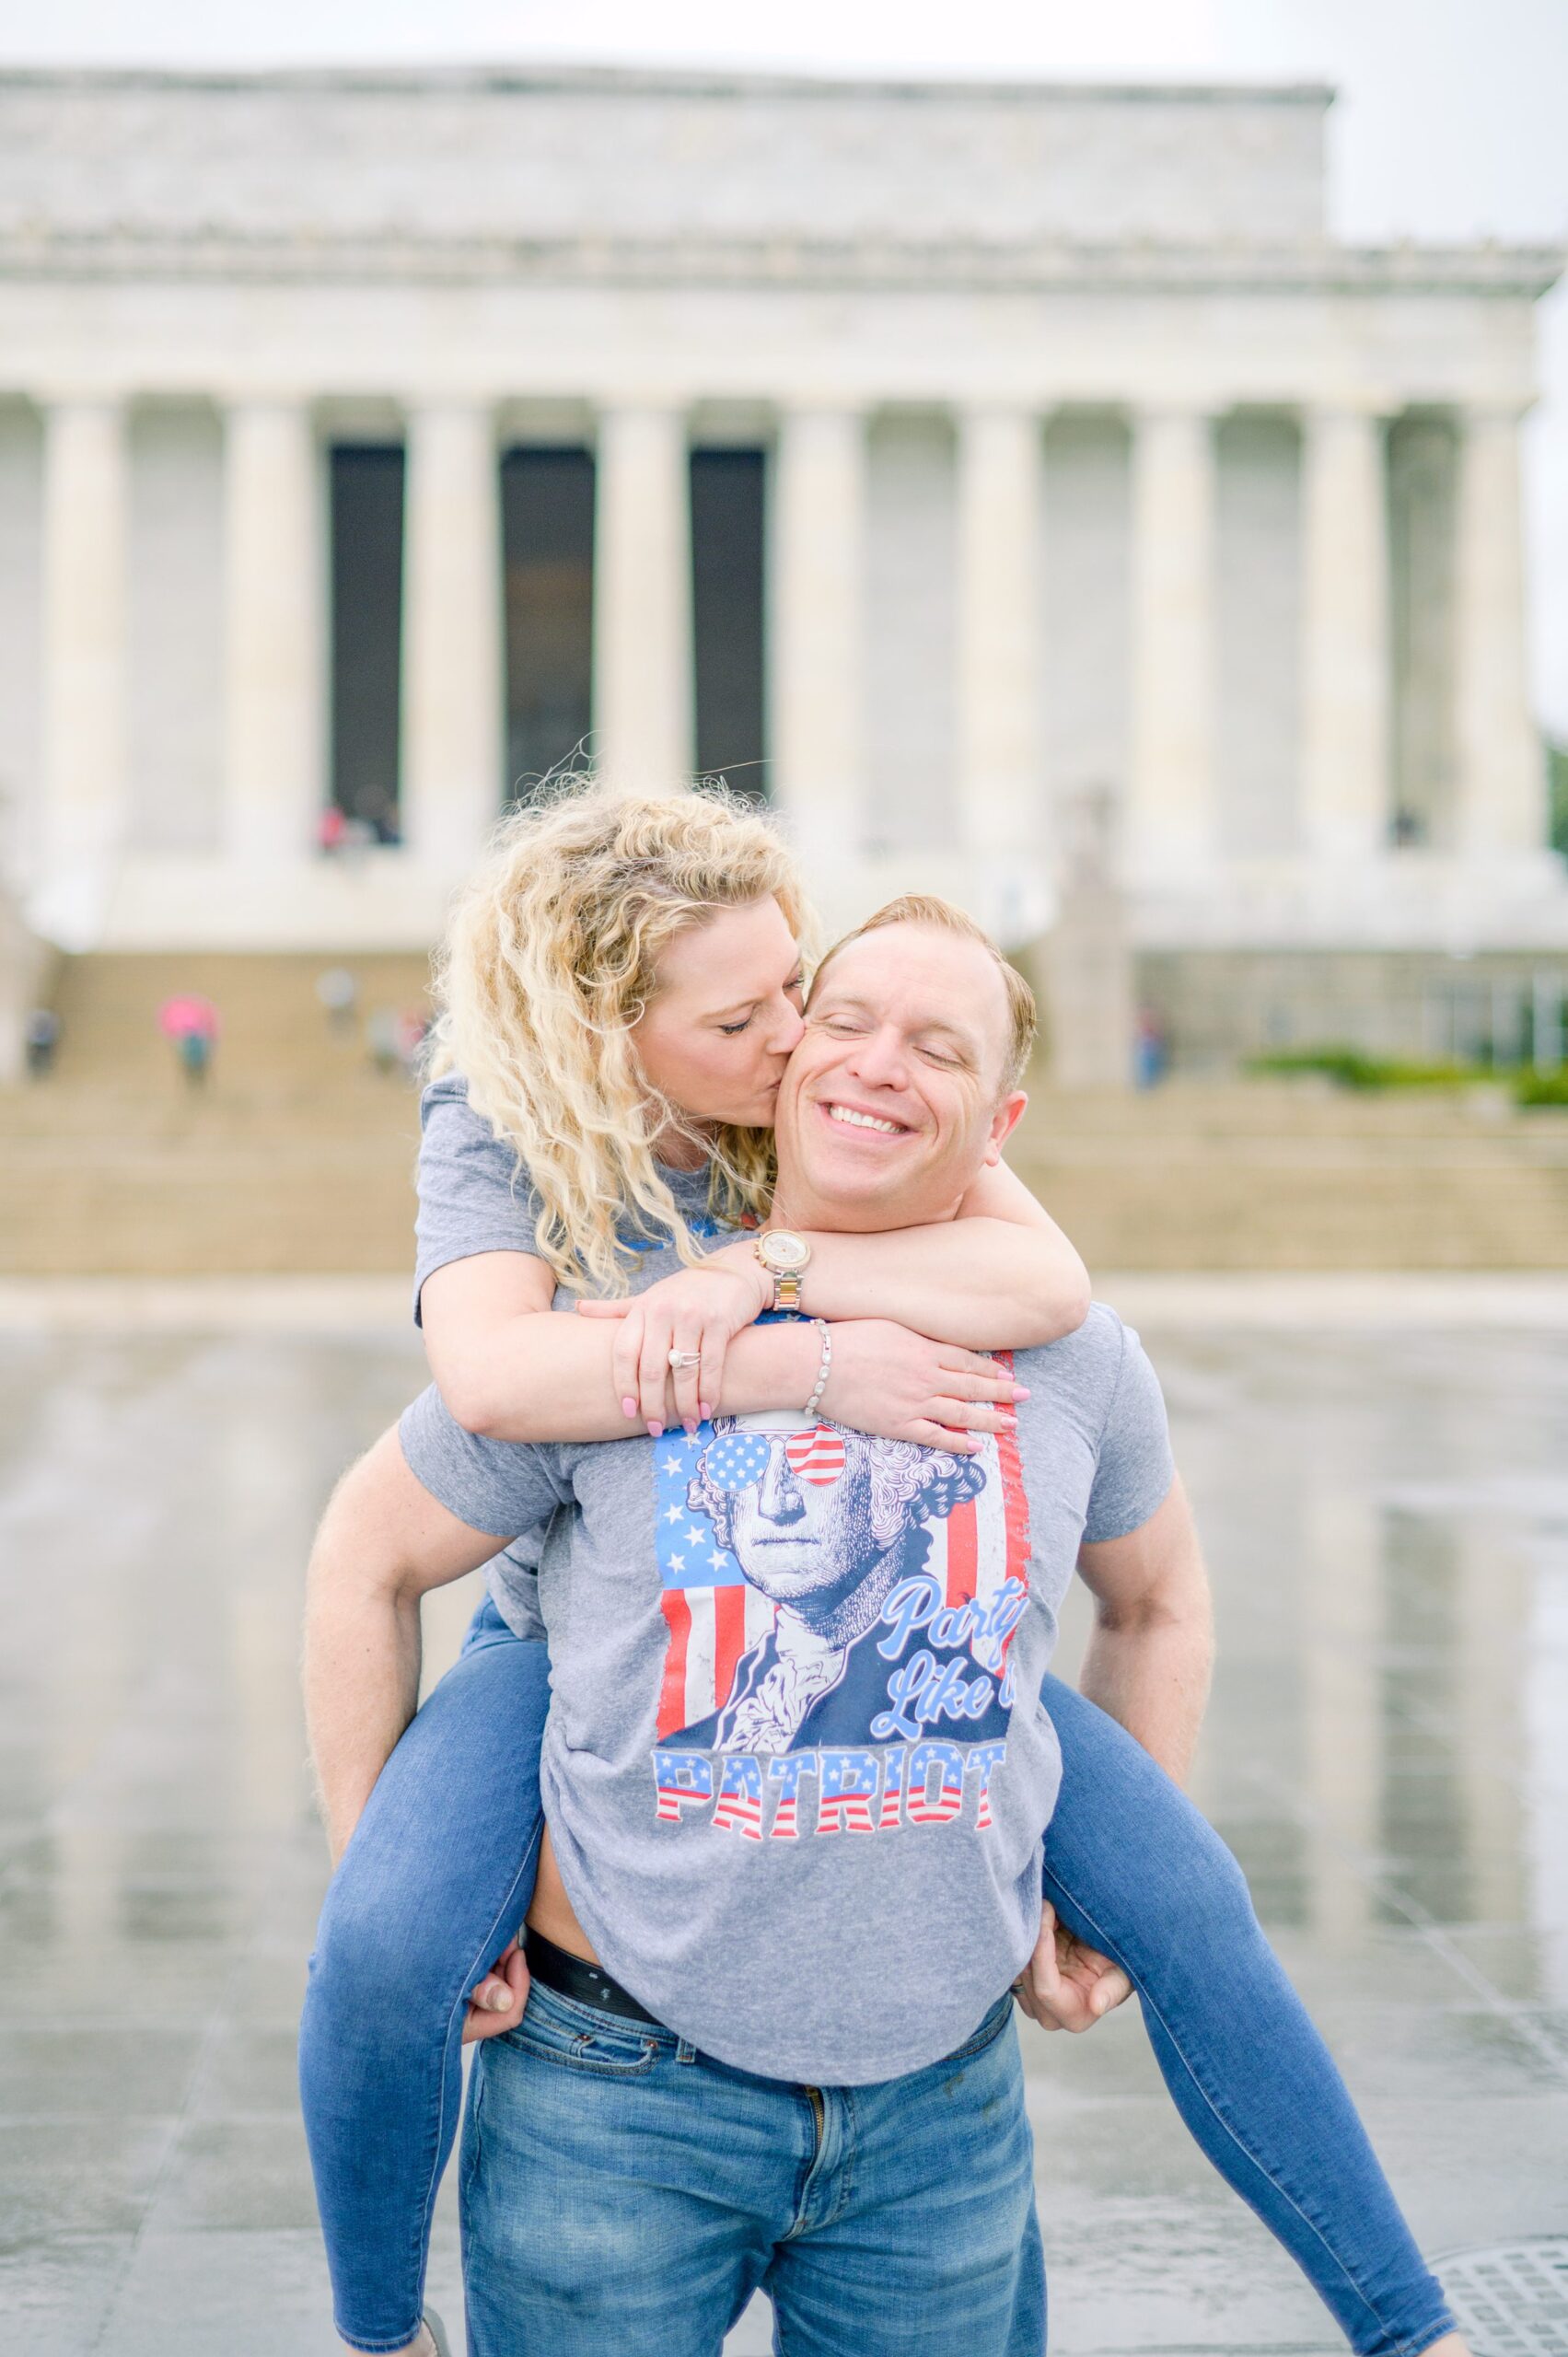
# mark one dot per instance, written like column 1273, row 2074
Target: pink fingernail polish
column 656, row 1432
column 628, row 1407
column 704, row 1408
column 1020, row 1391
column 689, row 1426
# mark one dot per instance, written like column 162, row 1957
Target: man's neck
column 797, row 1204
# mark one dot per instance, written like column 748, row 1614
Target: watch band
column 787, row 1290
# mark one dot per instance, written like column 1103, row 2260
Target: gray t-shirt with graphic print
column 796, row 1768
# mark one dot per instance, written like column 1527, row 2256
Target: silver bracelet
column 825, row 1367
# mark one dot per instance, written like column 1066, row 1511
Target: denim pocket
column 989, row 2030
column 557, row 2029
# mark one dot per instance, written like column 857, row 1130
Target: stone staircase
column 1298, row 1176
column 298, row 1155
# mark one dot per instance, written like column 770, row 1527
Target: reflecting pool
column 1385, row 1517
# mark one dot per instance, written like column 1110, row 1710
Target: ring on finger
column 685, row 1358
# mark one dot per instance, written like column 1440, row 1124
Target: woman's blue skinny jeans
column 439, row 1872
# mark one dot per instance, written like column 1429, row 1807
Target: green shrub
column 1541, row 1088
column 1353, row 1069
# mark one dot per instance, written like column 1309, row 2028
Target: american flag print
column 966, row 1543
column 712, row 1617
column 817, row 1455
column 848, row 1787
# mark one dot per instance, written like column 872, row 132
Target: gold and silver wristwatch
column 786, row 1257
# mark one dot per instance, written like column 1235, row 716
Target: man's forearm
column 1152, row 1675
column 362, row 1656
column 981, row 1284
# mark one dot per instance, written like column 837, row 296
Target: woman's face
column 716, row 1037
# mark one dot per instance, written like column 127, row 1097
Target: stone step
column 227, row 1188
column 274, row 1028
column 298, row 1158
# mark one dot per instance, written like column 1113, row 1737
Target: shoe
column 437, row 2331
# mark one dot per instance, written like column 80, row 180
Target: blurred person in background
column 411, row 1031
column 382, row 1032
column 191, row 1023
column 337, row 994
column 41, row 1041
column 1151, row 1050
column 621, row 994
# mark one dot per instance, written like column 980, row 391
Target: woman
column 621, row 993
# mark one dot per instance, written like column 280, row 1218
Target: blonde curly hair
column 549, row 959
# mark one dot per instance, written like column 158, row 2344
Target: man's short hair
column 940, row 916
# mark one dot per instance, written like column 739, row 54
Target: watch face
column 782, row 1251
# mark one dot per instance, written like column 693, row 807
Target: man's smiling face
column 894, row 1101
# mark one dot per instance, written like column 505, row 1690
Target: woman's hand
column 887, row 1380
column 697, row 1312
column 498, row 2004
column 1065, row 1985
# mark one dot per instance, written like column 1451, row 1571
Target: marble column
column 816, row 629
column 84, row 681
column 1346, row 785
column 274, row 631
column 452, row 657
column 644, row 682
column 1502, row 780
column 1169, row 835
column 999, row 636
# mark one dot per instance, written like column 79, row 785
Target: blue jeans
column 437, row 1878
column 890, row 2220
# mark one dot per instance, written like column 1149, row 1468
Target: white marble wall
column 1258, row 606
column 944, row 307
column 558, row 153
column 1086, row 645
column 21, row 523
column 174, row 623
column 910, row 635
column 1422, row 471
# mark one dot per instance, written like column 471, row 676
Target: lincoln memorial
column 941, row 461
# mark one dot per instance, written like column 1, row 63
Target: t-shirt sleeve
column 1135, row 1469
column 472, row 1197
column 501, row 1486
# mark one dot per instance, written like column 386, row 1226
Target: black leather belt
column 586, row 1984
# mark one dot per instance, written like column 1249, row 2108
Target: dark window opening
column 547, row 528
column 728, row 489
column 368, row 601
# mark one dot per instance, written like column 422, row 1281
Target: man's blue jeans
column 623, row 2193
column 438, row 1875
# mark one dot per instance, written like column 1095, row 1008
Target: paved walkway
column 1385, row 1506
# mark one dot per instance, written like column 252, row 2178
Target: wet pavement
column 1386, row 1513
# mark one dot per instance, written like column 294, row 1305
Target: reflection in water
column 1386, row 1517
column 1422, row 1822
column 1387, row 1521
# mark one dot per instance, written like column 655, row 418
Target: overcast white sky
column 1451, row 124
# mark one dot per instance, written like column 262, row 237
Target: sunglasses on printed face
column 739, row 1461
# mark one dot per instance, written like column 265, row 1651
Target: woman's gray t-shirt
column 474, row 1197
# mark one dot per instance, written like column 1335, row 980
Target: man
column 799, row 2068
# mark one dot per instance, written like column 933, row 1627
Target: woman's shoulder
column 447, row 1091
column 449, row 1121
column 455, row 1134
